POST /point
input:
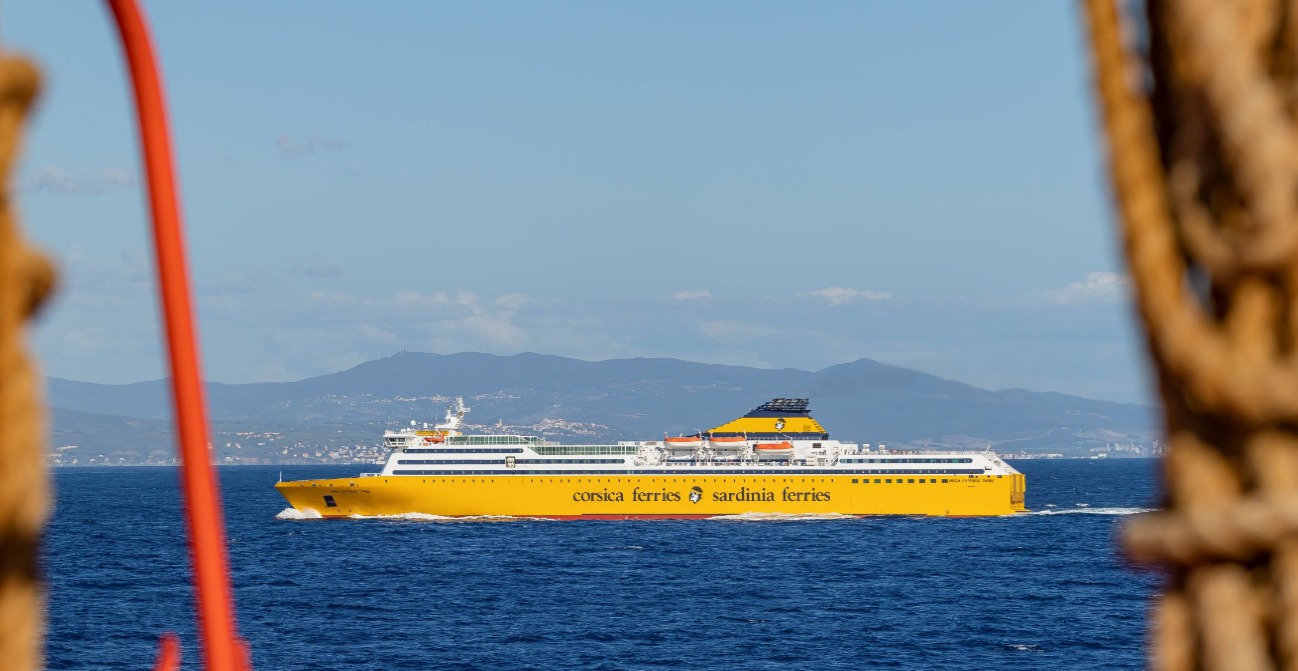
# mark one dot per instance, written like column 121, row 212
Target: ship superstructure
column 776, row 459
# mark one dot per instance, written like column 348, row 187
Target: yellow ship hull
column 657, row 496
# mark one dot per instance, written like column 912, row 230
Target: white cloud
column 496, row 328
column 841, row 295
column 375, row 334
column 690, row 295
column 53, row 179
column 492, row 326
column 1098, row 287
column 512, row 301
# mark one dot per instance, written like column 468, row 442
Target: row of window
column 492, row 440
column 465, row 450
column 961, row 460
column 553, row 450
column 475, row 462
column 691, row 471
column 888, row 481
column 452, row 462
column 940, row 471
column 631, row 449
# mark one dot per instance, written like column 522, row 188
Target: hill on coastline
column 571, row 399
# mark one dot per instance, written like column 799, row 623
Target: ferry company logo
column 779, row 424
column 696, row 494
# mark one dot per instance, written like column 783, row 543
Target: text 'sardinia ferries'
column 774, row 460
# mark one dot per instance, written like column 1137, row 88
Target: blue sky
column 766, row 184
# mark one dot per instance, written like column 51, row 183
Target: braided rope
column 1203, row 160
column 1240, row 532
column 26, row 278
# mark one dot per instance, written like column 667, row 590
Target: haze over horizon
column 766, row 185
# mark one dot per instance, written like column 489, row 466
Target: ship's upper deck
column 532, row 455
column 778, row 436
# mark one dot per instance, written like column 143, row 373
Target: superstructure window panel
column 455, row 462
column 685, row 471
column 571, row 461
column 878, row 460
column 462, row 450
column 586, row 450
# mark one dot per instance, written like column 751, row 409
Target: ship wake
column 295, row 514
column 1087, row 511
column 425, row 517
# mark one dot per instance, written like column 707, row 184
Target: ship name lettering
column 664, row 496
column 744, row 495
column 605, row 495
column 812, row 495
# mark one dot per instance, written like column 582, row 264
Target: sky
column 768, row 184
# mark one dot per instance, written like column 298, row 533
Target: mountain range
column 590, row 401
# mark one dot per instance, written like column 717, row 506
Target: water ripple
column 1042, row 590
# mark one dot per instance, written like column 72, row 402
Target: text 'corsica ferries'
column 774, row 460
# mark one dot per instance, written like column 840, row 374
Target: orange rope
column 223, row 651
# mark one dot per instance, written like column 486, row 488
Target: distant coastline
column 338, row 418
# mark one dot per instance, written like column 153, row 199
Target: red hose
column 222, row 648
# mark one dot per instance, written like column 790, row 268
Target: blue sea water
column 1045, row 590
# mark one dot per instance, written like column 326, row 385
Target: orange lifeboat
column 683, row 442
column 780, row 450
column 728, row 442
column 429, row 440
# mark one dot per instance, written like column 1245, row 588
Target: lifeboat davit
column 683, row 442
column 728, row 442
column 780, row 450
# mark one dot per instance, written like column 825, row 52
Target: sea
column 1044, row 590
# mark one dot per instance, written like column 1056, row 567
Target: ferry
column 775, row 460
